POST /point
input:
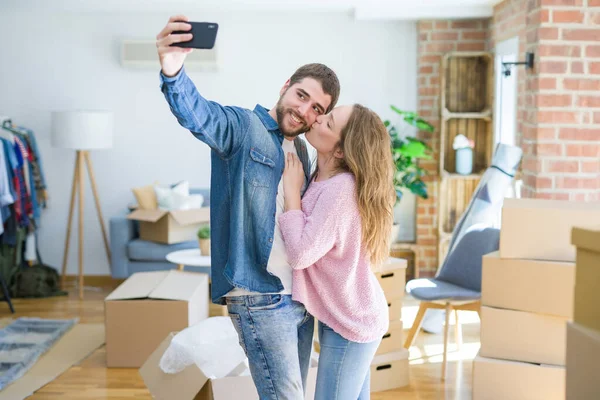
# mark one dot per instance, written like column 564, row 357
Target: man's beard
column 281, row 114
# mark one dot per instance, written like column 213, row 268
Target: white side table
column 191, row 257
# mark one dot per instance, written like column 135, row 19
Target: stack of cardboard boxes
column 527, row 300
column 389, row 369
column 583, row 334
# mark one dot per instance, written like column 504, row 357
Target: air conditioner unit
column 142, row 54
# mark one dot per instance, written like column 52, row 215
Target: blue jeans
column 276, row 334
column 344, row 367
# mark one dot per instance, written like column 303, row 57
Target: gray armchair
column 458, row 285
column 131, row 254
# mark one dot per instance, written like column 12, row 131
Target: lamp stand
column 78, row 186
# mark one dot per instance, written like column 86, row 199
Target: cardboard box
column 545, row 287
column 170, row 226
column 522, row 336
column 541, row 229
column 392, row 277
column 587, row 277
column 390, row 371
column 142, row 311
column 191, row 383
column 583, row 359
column 510, row 380
column 395, row 308
column 393, row 340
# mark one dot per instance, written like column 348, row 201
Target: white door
column 505, row 112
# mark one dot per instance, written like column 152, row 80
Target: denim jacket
column 247, row 163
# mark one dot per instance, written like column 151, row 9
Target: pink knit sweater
column 332, row 273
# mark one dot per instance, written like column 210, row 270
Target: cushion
column 145, row 197
column 181, row 202
column 143, row 250
column 462, row 266
column 172, row 197
column 433, row 289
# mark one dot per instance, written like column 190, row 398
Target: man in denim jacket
column 250, row 272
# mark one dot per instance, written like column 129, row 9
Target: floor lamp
column 82, row 131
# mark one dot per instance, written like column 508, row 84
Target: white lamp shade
column 82, row 130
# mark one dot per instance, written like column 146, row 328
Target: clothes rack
column 22, row 196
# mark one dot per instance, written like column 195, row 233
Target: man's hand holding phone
column 172, row 57
column 179, row 37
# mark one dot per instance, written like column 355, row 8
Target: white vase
column 464, row 161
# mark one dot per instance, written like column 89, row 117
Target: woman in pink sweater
column 335, row 237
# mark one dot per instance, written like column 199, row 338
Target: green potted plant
column 407, row 151
column 204, row 239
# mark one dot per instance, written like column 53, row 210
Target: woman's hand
column 293, row 181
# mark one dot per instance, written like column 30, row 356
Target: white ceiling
column 361, row 9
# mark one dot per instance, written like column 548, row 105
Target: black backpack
column 38, row 280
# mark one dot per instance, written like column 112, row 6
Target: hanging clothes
column 26, row 209
column 6, row 194
column 36, row 166
column 12, row 170
column 34, row 180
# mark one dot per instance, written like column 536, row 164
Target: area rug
column 71, row 349
column 24, row 341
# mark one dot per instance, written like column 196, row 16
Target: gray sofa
column 131, row 254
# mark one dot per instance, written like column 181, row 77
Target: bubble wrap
column 211, row 344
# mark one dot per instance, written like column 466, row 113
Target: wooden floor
column 92, row 380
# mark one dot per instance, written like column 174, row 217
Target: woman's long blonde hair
column 366, row 145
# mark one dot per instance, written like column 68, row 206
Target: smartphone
column 204, row 35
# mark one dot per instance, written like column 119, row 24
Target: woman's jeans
column 344, row 367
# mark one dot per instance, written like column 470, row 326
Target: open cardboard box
column 170, row 226
column 192, row 384
column 146, row 307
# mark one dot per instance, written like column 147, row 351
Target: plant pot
column 204, row 246
column 464, row 161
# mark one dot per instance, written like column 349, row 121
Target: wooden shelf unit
column 466, row 108
column 455, row 194
column 480, row 130
column 468, row 82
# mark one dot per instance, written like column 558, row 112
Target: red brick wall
column 561, row 138
column 435, row 39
